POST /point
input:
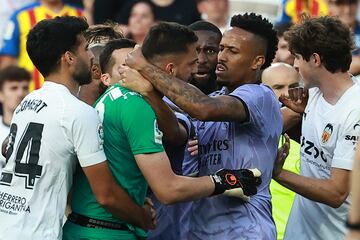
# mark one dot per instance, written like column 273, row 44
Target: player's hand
column 246, row 179
column 282, row 154
column 296, row 100
column 193, row 147
column 133, row 80
column 149, row 215
column 135, row 59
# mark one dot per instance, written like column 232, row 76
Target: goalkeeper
column 133, row 145
column 239, row 126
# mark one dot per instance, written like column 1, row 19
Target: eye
column 211, row 51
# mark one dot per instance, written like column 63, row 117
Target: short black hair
column 106, row 61
column 262, row 28
column 167, row 38
column 51, row 38
column 97, row 33
column 205, row 26
column 326, row 36
column 14, row 74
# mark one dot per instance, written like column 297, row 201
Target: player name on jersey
column 32, row 104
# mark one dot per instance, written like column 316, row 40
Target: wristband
column 352, row 226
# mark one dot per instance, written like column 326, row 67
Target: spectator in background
column 14, row 86
column 280, row 77
column 7, row 8
column 13, row 50
column 346, row 10
column 283, row 54
column 114, row 10
column 293, row 9
column 216, row 12
column 209, row 37
column 181, row 11
column 141, row 19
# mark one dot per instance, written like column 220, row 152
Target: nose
column 222, row 56
column 202, row 58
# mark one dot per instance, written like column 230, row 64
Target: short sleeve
column 185, row 121
column 87, row 137
column 256, row 101
column 141, row 127
column 11, row 38
column 346, row 143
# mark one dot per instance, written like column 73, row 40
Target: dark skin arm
column 187, row 97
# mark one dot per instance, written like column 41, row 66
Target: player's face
column 235, row 58
column 141, row 19
column 119, row 57
column 207, row 49
column 12, row 93
column 186, row 64
column 306, row 71
column 283, row 54
column 84, row 57
column 280, row 81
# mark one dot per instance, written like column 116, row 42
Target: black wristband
column 352, row 226
column 219, row 188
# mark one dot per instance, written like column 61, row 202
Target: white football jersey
column 4, row 132
column 51, row 131
column 329, row 136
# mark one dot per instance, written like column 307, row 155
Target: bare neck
column 65, row 80
column 334, row 85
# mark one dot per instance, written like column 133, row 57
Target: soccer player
column 330, row 129
column 133, row 144
column 50, row 133
column 14, row 86
column 240, row 128
column 20, row 23
column 209, row 37
column 97, row 36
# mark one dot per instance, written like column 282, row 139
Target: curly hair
column 261, row 27
column 326, row 36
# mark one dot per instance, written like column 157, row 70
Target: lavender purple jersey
column 233, row 145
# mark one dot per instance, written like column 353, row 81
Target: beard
column 83, row 74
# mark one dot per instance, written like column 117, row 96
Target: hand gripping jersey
column 50, row 132
column 329, row 136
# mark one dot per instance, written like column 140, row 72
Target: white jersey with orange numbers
column 329, row 136
column 51, row 131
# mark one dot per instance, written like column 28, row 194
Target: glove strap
column 219, row 187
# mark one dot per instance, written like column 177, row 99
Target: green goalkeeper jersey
column 129, row 128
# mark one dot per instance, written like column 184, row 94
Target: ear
column 170, row 68
column 316, row 59
column 95, row 71
column 68, row 58
column 258, row 62
column 106, row 79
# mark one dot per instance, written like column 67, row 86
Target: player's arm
column 187, row 97
column 332, row 192
column 290, row 118
column 354, row 212
column 113, row 198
